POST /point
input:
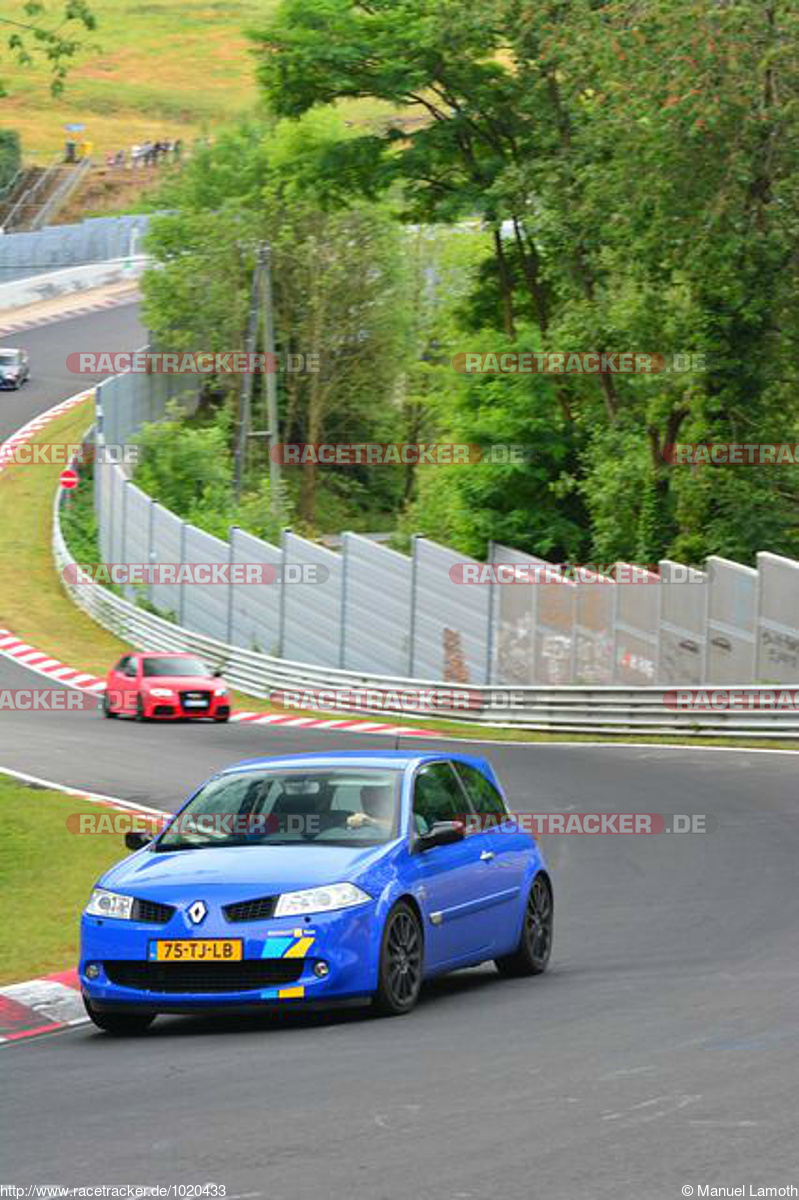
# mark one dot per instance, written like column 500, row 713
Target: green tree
column 52, row 33
column 10, row 155
column 636, row 166
column 340, row 291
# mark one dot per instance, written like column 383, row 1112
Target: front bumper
column 284, row 950
column 162, row 708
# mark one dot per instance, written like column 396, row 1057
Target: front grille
column 150, row 912
column 248, row 975
column 251, row 910
column 201, row 699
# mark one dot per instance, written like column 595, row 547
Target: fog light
column 93, row 971
column 321, row 969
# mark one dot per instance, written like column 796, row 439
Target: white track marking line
column 83, row 794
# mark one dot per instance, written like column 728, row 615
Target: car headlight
column 321, row 899
column 163, row 692
column 220, row 692
column 103, row 903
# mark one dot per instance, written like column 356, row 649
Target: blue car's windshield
column 338, row 805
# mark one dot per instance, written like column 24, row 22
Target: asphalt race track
column 109, row 329
column 659, row 1051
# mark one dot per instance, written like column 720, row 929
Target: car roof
column 343, row 758
column 164, row 654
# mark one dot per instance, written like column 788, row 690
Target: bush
column 10, row 155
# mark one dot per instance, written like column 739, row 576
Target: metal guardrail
column 71, row 179
column 560, row 709
column 28, row 196
column 38, row 217
column 8, row 188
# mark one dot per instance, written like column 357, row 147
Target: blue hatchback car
column 317, row 878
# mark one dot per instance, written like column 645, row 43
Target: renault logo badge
column 198, row 912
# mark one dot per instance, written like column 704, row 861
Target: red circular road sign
column 69, row 479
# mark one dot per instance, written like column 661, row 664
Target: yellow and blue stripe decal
column 293, row 944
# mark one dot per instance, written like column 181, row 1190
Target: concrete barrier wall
column 67, row 282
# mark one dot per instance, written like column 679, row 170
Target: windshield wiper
column 167, row 848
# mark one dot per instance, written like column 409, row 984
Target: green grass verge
column 34, row 606
column 46, row 873
column 152, row 69
column 32, row 602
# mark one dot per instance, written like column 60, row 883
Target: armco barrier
column 559, row 709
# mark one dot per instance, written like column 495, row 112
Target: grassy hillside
column 153, row 68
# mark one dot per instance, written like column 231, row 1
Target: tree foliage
column 341, row 310
column 635, row 165
column 53, row 33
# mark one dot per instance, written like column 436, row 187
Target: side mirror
column 443, row 833
column 136, row 840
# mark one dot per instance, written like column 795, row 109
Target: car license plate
column 195, row 703
column 198, row 950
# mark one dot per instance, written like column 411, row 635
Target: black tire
column 107, row 709
column 535, row 944
column 119, row 1024
column 140, row 709
column 401, row 962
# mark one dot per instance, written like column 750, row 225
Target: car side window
column 437, row 796
column 123, row 662
column 130, row 668
column 484, row 796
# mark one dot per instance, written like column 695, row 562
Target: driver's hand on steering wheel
column 359, row 819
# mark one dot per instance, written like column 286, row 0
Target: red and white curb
column 67, row 314
column 343, row 726
column 40, row 1006
column 36, row 660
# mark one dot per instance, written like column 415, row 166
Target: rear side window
column 484, row 796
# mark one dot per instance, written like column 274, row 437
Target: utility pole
column 271, row 386
column 261, row 305
column 245, row 404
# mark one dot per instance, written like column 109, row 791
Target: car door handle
column 487, row 855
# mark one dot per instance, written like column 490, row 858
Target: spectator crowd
column 145, row 154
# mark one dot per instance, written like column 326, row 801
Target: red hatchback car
column 165, row 686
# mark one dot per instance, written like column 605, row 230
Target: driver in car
column 377, row 809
